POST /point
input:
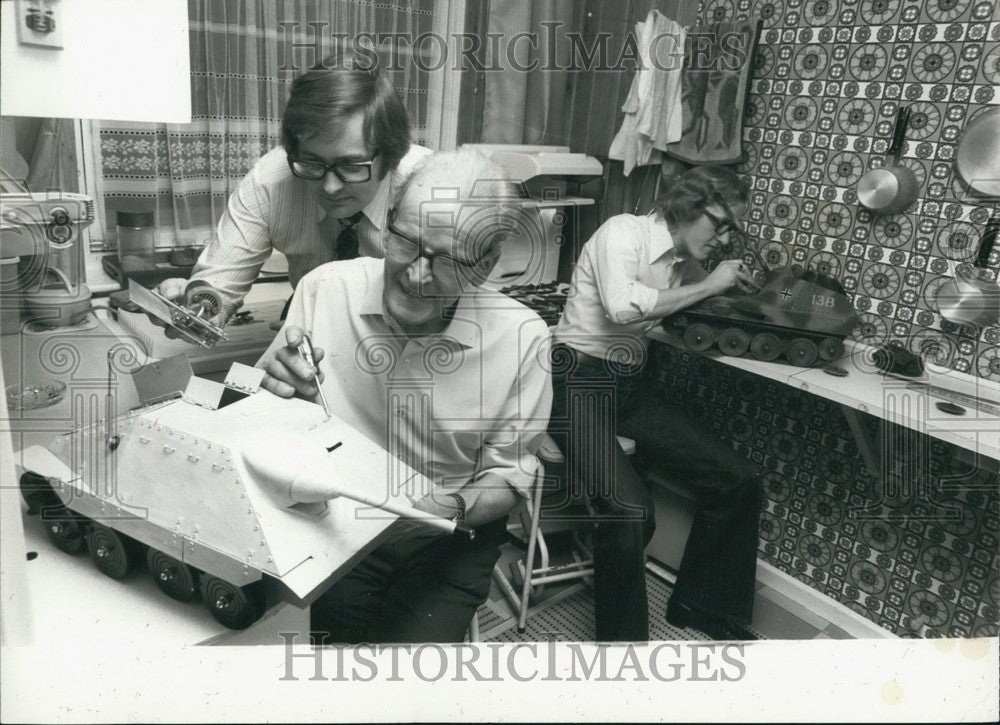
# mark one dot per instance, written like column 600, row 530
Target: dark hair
column 322, row 100
column 689, row 194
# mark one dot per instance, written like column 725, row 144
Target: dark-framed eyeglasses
column 350, row 172
column 722, row 226
column 734, row 221
column 405, row 249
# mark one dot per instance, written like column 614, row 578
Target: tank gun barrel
column 305, row 477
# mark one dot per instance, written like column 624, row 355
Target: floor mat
column 568, row 616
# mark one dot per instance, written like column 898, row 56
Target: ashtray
column 31, row 396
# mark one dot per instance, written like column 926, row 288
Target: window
column 243, row 58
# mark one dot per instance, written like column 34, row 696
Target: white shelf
column 867, row 390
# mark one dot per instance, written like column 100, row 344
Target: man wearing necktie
column 321, row 196
column 347, row 240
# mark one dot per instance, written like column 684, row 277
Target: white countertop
column 866, row 389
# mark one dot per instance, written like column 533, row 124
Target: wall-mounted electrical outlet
column 39, row 23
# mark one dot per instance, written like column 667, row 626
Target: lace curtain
column 242, row 62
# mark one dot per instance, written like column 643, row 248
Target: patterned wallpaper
column 919, row 556
column 827, row 81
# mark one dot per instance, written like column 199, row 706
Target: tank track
column 760, row 340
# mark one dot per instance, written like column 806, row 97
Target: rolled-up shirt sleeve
column 510, row 449
column 242, row 243
column 618, row 254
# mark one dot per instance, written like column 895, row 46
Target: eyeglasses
column 722, row 226
column 350, row 172
column 731, row 218
column 402, row 248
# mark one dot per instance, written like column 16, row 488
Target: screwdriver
column 306, row 350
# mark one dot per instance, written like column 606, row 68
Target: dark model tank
column 802, row 315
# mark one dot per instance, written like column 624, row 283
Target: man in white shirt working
column 634, row 271
column 448, row 378
column 323, row 194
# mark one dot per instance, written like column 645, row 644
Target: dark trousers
column 418, row 586
column 592, row 401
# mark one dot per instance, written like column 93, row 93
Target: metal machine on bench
column 191, row 321
column 209, row 348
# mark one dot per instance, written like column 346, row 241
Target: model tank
column 227, row 492
column 801, row 315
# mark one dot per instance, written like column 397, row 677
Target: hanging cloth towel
column 653, row 106
column 715, row 86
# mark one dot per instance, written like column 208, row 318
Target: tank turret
column 234, row 495
column 802, row 316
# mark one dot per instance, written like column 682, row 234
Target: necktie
column 347, row 240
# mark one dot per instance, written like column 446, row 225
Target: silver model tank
column 233, row 494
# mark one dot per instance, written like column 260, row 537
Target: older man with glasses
column 634, row 271
column 323, row 194
column 448, row 378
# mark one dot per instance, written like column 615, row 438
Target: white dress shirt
column 616, row 283
column 272, row 208
column 473, row 399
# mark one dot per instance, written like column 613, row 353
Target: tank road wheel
column 765, row 346
column 174, row 578
column 802, row 352
column 699, row 337
column 831, row 348
column 114, row 554
column 734, row 342
column 37, row 492
column 66, row 529
column 232, row 606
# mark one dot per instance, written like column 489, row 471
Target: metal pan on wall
column 978, row 157
column 892, row 188
column 972, row 297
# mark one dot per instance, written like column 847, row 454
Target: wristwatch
column 459, row 517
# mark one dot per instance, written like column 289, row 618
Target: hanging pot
column 978, row 158
column 893, row 187
column 972, row 297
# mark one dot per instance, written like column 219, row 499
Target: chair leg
column 474, row 628
column 587, row 559
column 536, row 507
column 542, row 550
column 508, row 591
